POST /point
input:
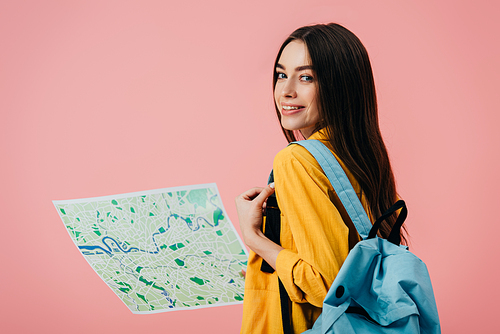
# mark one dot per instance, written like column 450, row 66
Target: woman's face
column 296, row 89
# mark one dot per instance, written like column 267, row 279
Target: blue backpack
column 381, row 287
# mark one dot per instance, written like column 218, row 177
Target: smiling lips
column 290, row 109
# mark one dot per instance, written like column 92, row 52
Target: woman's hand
column 250, row 205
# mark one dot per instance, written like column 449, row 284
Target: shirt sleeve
column 314, row 235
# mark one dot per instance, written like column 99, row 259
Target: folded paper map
column 160, row 250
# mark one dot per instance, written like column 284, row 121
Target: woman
column 323, row 89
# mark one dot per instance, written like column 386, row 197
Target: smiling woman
column 323, row 90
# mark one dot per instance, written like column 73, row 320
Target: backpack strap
column 340, row 183
column 347, row 196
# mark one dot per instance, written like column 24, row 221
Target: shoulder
column 292, row 152
column 294, row 157
column 297, row 165
column 297, row 160
column 298, row 154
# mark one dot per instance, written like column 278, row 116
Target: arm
column 314, row 235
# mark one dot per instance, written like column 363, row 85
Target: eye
column 306, row 78
column 281, row 75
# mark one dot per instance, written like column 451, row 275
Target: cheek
column 313, row 98
column 311, row 95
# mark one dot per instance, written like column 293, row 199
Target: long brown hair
column 348, row 110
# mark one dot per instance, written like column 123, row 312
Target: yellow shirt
column 317, row 235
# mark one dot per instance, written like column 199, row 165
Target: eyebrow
column 300, row 68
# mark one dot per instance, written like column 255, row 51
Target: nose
column 289, row 89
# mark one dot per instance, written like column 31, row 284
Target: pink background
column 106, row 97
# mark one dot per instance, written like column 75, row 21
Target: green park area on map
column 160, row 250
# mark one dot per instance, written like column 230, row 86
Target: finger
column 251, row 193
column 264, row 194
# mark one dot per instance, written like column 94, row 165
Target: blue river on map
column 192, row 226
